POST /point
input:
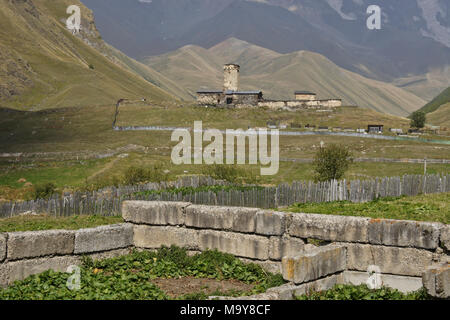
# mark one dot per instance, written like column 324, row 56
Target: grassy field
column 17, row 182
column 45, row 222
column 434, row 208
column 49, row 143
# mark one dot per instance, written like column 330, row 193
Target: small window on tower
column 229, row 100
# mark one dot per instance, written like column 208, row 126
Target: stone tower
column 231, row 77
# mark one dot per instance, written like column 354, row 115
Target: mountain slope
column 440, row 117
column 414, row 38
column 437, row 102
column 44, row 66
column 279, row 75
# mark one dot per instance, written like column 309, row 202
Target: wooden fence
column 108, row 201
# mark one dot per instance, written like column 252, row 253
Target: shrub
column 44, row 191
column 231, row 173
column 136, row 175
column 332, row 162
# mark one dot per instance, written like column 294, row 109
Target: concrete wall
column 26, row 253
column 406, row 254
column 402, row 251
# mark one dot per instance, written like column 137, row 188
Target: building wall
column 210, row 98
column 299, row 96
column 296, row 104
column 231, row 78
column 250, row 99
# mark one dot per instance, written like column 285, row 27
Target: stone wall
column 405, row 255
column 301, row 104
column 401, row 251
column 26, row 253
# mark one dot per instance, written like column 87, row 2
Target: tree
column 418, row 119
column 331, row 162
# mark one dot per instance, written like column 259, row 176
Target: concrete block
column 20, row 270
column 445, row 237
column 436, row 279
column 221, row 218
column 314, row 264
column 154, row 212
column 110, row 254
column 269, row 266
column 404, row 233
column 34, row 244
column 270, row 223
column 103, row 238
column 280, row 247
column 3, row 239
column 240, row 245
column 290, row 291
column 319, row 285
column 392, row 260
column 404, row 284
column 4, row 275
column 329, row 228
column 152, row 237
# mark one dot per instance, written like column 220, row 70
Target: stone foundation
column 408, row 255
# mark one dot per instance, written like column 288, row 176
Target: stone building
column 230, row 95
column 305, row 96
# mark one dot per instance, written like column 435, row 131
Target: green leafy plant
column 331, row 162
column 130, row 277
column 362, row 292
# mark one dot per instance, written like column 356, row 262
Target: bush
column 136, row 175
column 332, row 162
column 44, row 191
column 418, row 119
column 231, row 173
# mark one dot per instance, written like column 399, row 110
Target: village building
column 378, row 128
column 230, row 95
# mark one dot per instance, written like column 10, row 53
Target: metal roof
column 305, row 92
column 209, row 91
column 243, row 92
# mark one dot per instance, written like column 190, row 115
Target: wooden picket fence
column 107, row 202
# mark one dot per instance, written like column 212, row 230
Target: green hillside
column 279, row 75
column 440, row 100
column 43, row 65
column 440, row 117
